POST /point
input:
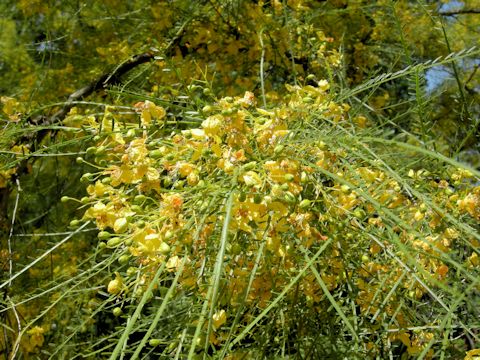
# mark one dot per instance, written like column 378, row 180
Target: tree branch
column 459, row 12
column 104, row 81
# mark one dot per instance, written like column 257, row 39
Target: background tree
column 279, row 177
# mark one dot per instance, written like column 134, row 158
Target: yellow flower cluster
column 162, row 198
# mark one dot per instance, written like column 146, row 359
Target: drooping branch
column 106, row 80
column 102, row 82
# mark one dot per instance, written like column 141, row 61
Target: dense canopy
column 239, row 179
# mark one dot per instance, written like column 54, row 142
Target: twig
column 459, row 12
column 19, row 327
column 10, row 253
column 45, row 254
column 468, row 88
column 104, row 81
column 262, row 80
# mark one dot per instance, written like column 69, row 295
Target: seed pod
column 114, row 242
column 359, row 213
column 155, row 154
column 304, row 177
column 277, row 190
column 131, row 271
column 154, row 342
column 249, row 166
column 290, row 198
column 100, row 150
column 168, row 235
column 138, row 293
column 130, row 133
column 86, row 177
column 104, row 235
column 179, row 184
column 139, row 199
column 117, row 312
column 242, row 197
column 136, row 208
column 164, row 248
column 278, row 149
column 227, row 112
column 167, row 181
column 124, row 259
column 207, row 109
column 120, row 225
column 304, row 204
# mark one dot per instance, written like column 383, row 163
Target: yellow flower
column 35, row 339
column 418, row 215
column 173, row 263
column 246, row 212
column 251, row 178
column 323, row 85
column 248, row 99
column 198, row 134
column 147, row 242
column 20, row 149
column 104, row 215
column 12, row 108
column 152, row 174
column 184, row 169
column 219, row 318
column 115, row 286
column 213, row 126
column 361, row 121
column 273, row 243
column 470, row 204
column 193, row 178
column 150, row 111
column 473, row 260
column 472, row 355
column 96, row 190
column 137, row 151
column 5, row 175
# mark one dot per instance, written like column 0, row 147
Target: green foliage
column 274, row 179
